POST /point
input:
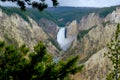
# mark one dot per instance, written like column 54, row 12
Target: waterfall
column 62, row 40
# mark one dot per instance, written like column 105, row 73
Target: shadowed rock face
column 15, row 30
column 49, row 27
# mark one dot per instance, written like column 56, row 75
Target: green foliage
column 103, row 12
column 10, row 40
column 12, row 10
column 114, row 56
column 64, row 15
column 82, row 33
column 21, row 64
column 105, row 23
column 40, row 5
column 59, row 15
column 10, row 61
column 36, row 15
column 55, row 43
column 111, row 75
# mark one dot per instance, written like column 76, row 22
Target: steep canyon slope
column 15, row 30
column 93, row 36
column 90, row 32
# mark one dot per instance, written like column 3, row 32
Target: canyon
column 87, row 37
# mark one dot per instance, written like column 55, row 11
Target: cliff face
column 94, row 35
column 96, row 39
column 49, row 27
column 89, row 36
column 72, row 29
column 96, row 67
column 88, row 21
column 114, row 17
column 15, row 30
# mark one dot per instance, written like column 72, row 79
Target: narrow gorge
column 85, row 32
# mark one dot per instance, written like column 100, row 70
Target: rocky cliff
column 15, row 30
column 49, row 27
column 72, row 29
column 88, row 21
column 90, row 36
column 93, row 36
column 96, row 67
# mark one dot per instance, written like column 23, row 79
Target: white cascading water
column 63, row 42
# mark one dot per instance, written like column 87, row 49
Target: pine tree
column 40, row 4
column 114, row 56
column 22, row 64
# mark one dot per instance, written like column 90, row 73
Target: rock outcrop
column 88, row 21
column 94, row 33
column 49, row 27
column 114, row 17
column 92, row 43
column 96, row 67
column 15, row 30
column 72, row 29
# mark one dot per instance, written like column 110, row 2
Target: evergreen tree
column 114, row 56
column 22, row 64
column 40, row 5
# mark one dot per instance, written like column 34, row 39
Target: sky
column 79, row 3
column 89, row 3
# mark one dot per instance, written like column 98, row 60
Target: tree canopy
column 22, row 64
column 40, row 4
